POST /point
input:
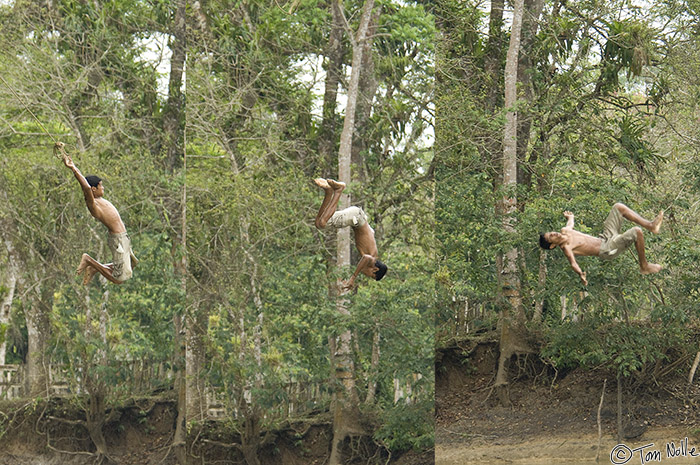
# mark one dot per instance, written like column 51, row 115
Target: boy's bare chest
column 108, row 215
column 583, row 244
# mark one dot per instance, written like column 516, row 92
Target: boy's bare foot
column 89, row 274
column 83, row 264
column 656, row 224
column 336, row 185
column 322, row 183
column 651, row 268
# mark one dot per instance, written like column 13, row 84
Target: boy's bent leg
column 634, row 217
column 88, row 274
column 338, row 188
column 332, row 190
column 87, row 264
column 320, row 223
column 644, row 266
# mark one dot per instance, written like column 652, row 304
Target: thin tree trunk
column 37, row 320
column 367, row 89
column 619, row 408
column 531, row 16
column 95, row 413
column 493, row 72
column 250, row 436
column 180, row 349
column 201, row 19
column 6, row 305
column 196, row 327
column 512, row 315
column 346, row 411
column 600, row 427
column 174, row 112
column 374, row 367
column 180, row 368
column 326, row 137
column 696, row 362
column 541, row 282
column 493, row 58
column 334, row 65
column 195, row 334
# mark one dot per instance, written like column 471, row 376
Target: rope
column 32, row 113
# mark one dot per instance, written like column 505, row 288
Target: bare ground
column 553, row 416
column 563, row 448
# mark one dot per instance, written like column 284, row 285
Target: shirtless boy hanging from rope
column 118, row 240
column 611, row 243
column 355, row 218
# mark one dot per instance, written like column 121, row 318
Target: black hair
column 544, row 243
column 93, row 180
column 381, row 271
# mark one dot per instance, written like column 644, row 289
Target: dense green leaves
column 605, row 121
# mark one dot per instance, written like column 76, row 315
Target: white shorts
column 353, row 217
column 120, row 245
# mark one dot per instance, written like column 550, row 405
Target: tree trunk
column 250, row 436
column 37, row 320
column 512, row 315
column 95, row 419
column 541, row 282
column 195, row 335
column 493, row 59
column 693, row 369
column 619, row 408
column 180, row 349
column 367, row 89
column 533, row 10
column 180, row 436
column 334, row 66
column 196, row 325
column 374, row 367
column 493, row 73
column 346, row 413
column 6, row 305
column 95, row 413
column 326, row 137
column 173, row 117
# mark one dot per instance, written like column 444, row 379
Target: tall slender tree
column 346, row 400
column 513, row 314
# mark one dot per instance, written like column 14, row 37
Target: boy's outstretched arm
column 87, row 190
column 365, row 261
column 572, row 261
column 569, row 219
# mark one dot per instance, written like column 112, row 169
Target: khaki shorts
column 353, row 217
column 120, row 245
column 615, row 243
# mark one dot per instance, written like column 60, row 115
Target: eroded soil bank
column 553, row 416
column 141, row 433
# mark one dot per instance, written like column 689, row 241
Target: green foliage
column 599, row 126
column 260, row 271
column 627, row 348
column 83, row 71
column 408, row 426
